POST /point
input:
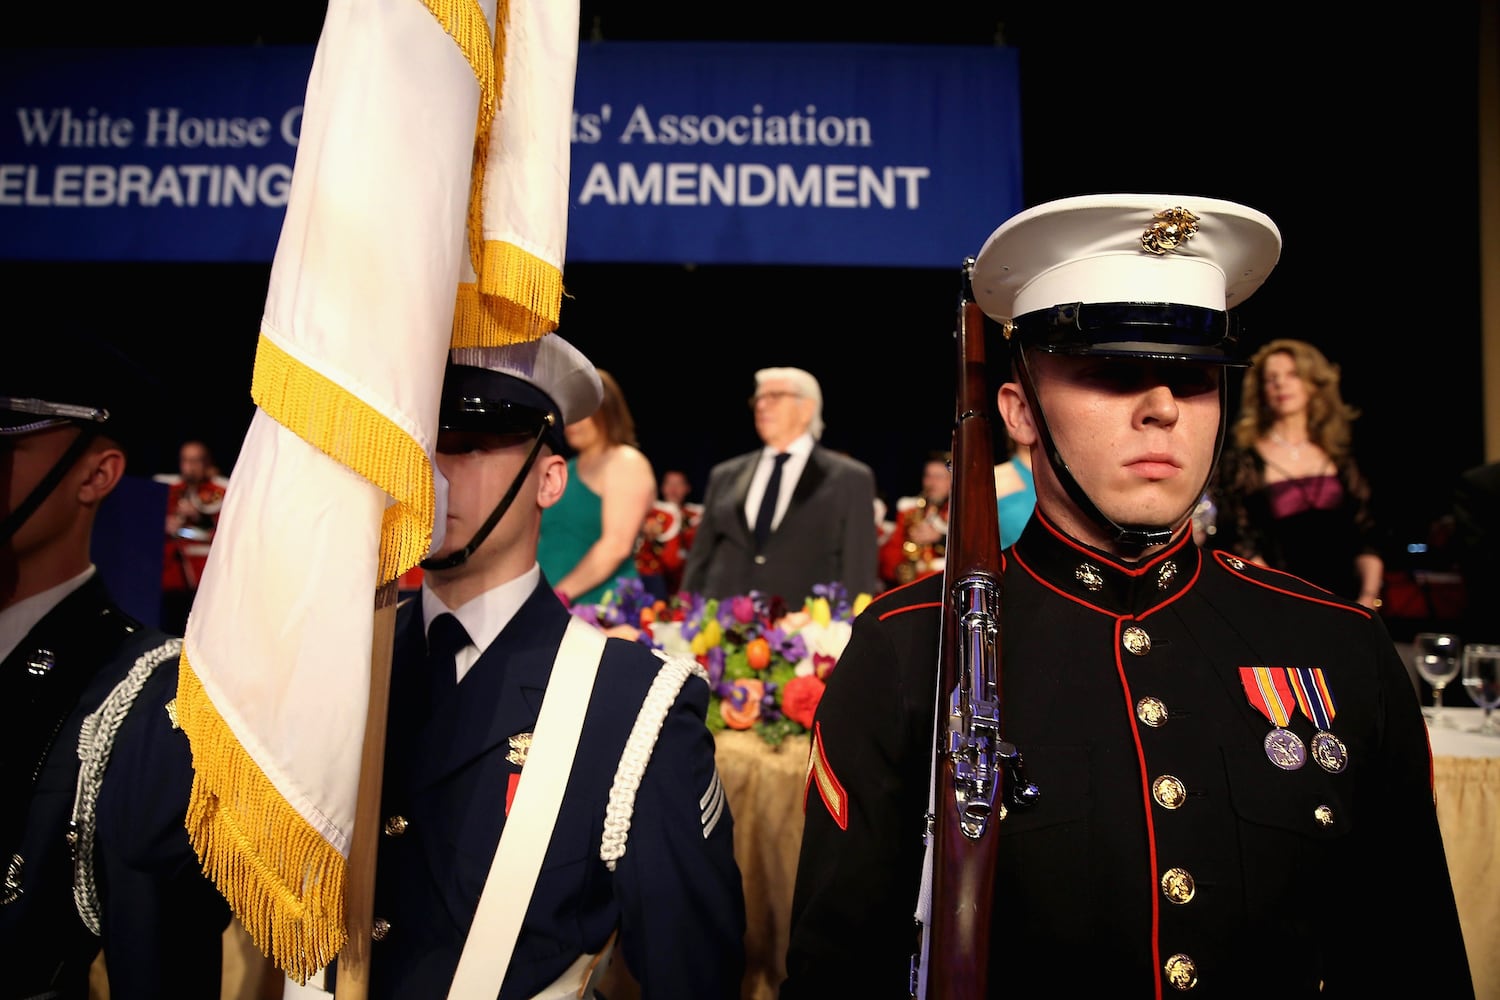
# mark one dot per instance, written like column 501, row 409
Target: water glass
column 1481, row 677
column 1436, row 657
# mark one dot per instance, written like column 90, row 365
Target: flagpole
column 353, row 981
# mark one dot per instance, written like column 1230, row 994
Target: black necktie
column 445, row 637
column 767, row 511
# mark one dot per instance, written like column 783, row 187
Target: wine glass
column 1481, row 677
column 1435, row 655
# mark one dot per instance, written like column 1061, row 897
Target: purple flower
column 742, row 610
column 715, row 665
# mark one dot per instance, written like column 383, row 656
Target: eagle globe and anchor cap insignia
column 1170, row 229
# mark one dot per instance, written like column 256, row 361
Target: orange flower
column 800, row 697
column 758, row 653
column 741, row 707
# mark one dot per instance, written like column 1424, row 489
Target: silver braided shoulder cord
column 648, row 722
column 96, row 740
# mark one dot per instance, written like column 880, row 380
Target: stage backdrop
column 683, row 152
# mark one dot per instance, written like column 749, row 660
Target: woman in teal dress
column 589, row 537
column 1015, row 493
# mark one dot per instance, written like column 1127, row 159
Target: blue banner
column 683, row 152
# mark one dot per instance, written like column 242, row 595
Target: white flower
column 668, row 635
column 829, row 640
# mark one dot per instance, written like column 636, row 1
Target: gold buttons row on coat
column 1168, row 791
column 394, row 826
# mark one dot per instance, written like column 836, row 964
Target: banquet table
column 1466, row 775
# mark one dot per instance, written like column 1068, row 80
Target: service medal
column 1270, row 693
column 1316, row 702
column 1329, row 752
column 1285, row 748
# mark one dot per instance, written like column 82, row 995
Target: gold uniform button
column 760, row 560
column 1169, row 792
column 1151, row 712
column 1182, row 972
column 1177, row 885
column 379, row 929
column 1323, row 815
column 1136, row 641
column 395, row 826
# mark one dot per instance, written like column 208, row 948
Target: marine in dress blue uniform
column 455, row 753
column 1236, row 792
column 104, row 862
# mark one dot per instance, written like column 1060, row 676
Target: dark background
column 1355, row 132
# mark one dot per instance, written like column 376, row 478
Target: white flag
column 398, row 201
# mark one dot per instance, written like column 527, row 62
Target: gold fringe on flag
column 354, row 433
column 518, row 296
column 282, row 879
column 525, row 306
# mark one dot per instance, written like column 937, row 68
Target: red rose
column 800, row 697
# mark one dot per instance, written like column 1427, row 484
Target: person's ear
column 1015, row 410
column 552, row 478
column 102, row 469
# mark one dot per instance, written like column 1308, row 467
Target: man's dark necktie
column 767, row 512
column 445, row 637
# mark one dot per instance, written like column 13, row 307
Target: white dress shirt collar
column 483, row 617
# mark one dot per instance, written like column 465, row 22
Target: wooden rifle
column 975, row 772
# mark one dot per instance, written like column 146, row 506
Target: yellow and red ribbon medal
column 1270, row 692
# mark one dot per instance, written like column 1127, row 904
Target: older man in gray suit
column 789, row 515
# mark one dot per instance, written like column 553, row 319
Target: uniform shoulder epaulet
column 96, row 741
column 673, row 673
column 1281, row 582
column 907, row 503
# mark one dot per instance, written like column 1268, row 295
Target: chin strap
column 1132, row 539
column 43, row 489
column 462, row 555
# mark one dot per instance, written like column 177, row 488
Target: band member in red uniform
column 194, row 497
column 916, row 545
column 667, row 535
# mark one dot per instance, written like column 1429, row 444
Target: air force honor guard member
column 95, row 773
column 638, row 839
column 1235, row 781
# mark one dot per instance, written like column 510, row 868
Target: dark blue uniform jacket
column 675, row 895
column 161, row 919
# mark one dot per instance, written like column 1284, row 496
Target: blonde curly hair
column 1328, row 416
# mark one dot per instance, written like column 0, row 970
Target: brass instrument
column 919, row 559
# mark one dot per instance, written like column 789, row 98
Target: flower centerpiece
column 767, row 663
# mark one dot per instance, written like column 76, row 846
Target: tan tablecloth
column 764, row 787
column 1468, row 804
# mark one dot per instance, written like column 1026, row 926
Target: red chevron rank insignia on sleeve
column 829, row 788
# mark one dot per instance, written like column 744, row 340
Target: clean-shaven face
column 479, row 468
column 1137, row 435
